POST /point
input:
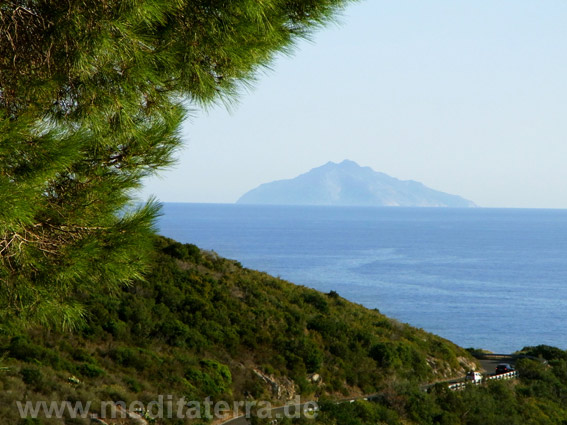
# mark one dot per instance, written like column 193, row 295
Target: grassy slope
column 199, row 326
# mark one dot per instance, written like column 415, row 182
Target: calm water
column 489, row 278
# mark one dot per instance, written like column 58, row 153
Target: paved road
column 490, row 361
column 488, row 364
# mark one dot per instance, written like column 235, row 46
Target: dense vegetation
column 199, row 326
column 537, row 398
column 92, row 95
column 91, row 98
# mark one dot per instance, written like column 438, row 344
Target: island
column 348, row 184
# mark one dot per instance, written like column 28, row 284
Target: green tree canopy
column 92, row 95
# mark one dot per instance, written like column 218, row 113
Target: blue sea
column 483, row 278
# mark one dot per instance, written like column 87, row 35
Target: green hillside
column 536, row 398
column 200, row 325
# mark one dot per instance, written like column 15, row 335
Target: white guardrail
column 461, row 385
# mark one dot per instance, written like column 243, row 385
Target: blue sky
column 466, row 97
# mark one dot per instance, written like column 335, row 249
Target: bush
column 213, row 378
column 532, row 369
column 90, row 370
column 133, row 385
column 175, row 332
column 32, row 377
column 182, row 251
column 383, row 353
column 23, row 349
column 333, row 294
column 134, row 358
column 545, row 352
column 316, row 300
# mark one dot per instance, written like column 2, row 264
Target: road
column 490, row 361
column 488, row 364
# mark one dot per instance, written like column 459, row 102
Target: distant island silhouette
column 349, row 184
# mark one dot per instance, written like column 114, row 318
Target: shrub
column 316, row 300
column 133, row 385
column 175, row 332
column 213, row 378
column 383, row 353
column 90, row 370
column 134, row 358
column 182, row 251
column 546, row 352
column 32, row 377
column 23, row 349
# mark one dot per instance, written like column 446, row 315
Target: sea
column 485, row 278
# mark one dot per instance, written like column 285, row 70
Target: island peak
column 348, row 184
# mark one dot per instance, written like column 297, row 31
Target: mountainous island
column 349, row 184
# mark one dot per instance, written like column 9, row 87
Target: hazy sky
column 466, row 97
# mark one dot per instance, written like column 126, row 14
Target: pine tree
column 92, row 94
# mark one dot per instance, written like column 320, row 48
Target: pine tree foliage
column 92, row 94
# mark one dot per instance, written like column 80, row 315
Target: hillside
column 201, row 325
column 348, row 184
column 536, row 398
